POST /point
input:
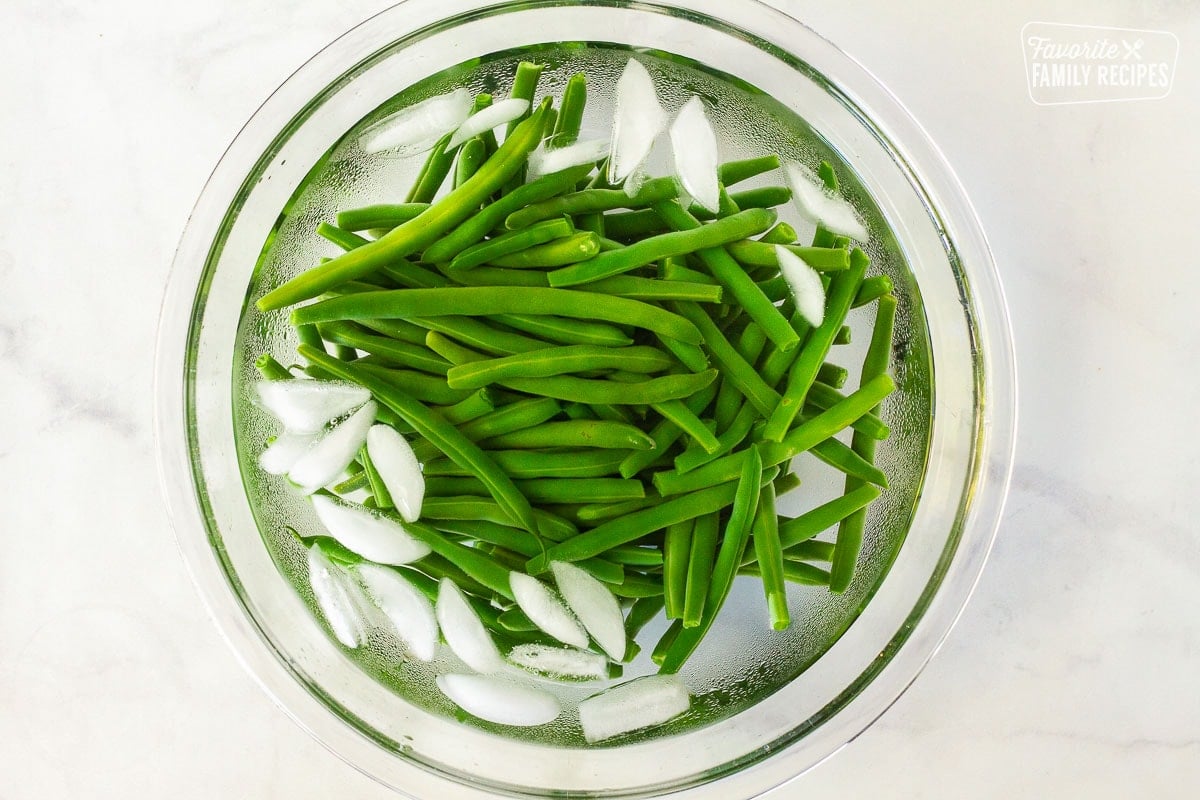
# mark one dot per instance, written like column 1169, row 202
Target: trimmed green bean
column 461, row 507
column 575, row 433
column 480, row 301
column 782, row 233
column 526, row 464
column 479, row 334
column 734, row 367
column 850, row 531
column 491, row 216
column 687, row 421
column 732, row 172
column 762, row 197
column 676, row 553
column 571, row 249
column 812, row 355
column 271, row 369
column 632, row 555
column 676, row 243
column 471, row 156
column 546, row 490
column 800, row 439
column 785, row 483
column 821, row 396
column 843, row 335
column 640, row 288
column 811, row 550
column 343, row 239
column 728, row 559
column 484, row 100
column 475, row 563
column 359, row 480
column 557, row 361
column 437, row 167
column 512, row 242
column 421, row 386
column 589, row 201
column 430, row 425
column 514, row 619
column 701, row 558
column 397, row 353
column 769, row 553
column 570, row 113
column 795, row 572
column 526, row 544
column 381, row 215
column 417, row 233
column 516, row 416
column 595, row 512
column 872, row 288
column 832, row 375
column 731, row 275
column 665, row 434
column 472, row 407
column 762, row 254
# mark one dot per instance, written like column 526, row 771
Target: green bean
column 590, row 201
column 271, row 369
column 665, row 642
column 675, row 243
column 821, row 396
column 665, row 434
column 383, row 215
column 401, row 354
column 812, row 356
column 637, row 586
column 480, row 301
column 343, row 239
column 472, row 407
column 640, row 288
column 470, row 158
column 379, row 492
column 526, row 544
column 524, row 87
column 574, row 433
column 672, row 270
column 475, row 563
column 480, row 334
column 437, row 167
column 786, row 483
column 547, row 490
column 359, row 480
column 549, row 525
column 782, row 233
column 570, row 114
column 398, row 329
column 557, row 361
column 832, row 375
column 684, row 419
column 571, row 249
column 632, row 555
column 527, row 464
column 735, row 368
column 595, row 512
column 762, row 197
column 512, row 242
column 418, row 233
column 811, row 550
column 676, row 553
column 729, row 558
column 447, row 438
column 798, row 440
column 769, row 553
column 761, row 254
column 872, row 289
column 483, row 222
column 516, row 416
column 484, row 100
column 514, row 619
column 419, row 385
column 410, row 276
column 732, row 172
column 643, row 611
column 499, row 276
column 823, row 237
column 701, row 557
column 633, row 526
column 690, row 355
column 344, row 352
column 850, row 531
column 731, row 275
column 795, row 572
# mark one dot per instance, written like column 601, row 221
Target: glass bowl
column 769, row 706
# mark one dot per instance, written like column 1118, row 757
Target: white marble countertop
column 1074, row 671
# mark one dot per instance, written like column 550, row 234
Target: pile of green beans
column 615, row 380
